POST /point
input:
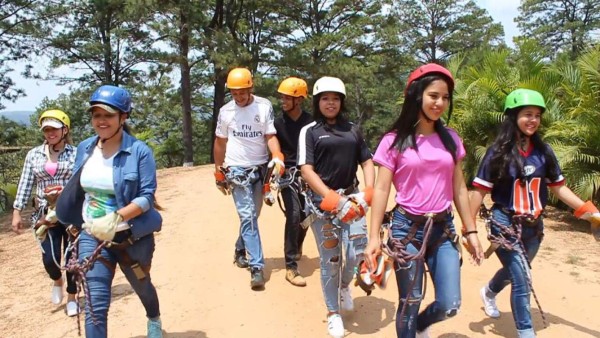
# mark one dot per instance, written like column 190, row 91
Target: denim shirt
column 134, row 178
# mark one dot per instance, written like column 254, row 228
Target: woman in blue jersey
column 111, row 198
column 518, row 170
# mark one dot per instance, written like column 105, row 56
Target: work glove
column 333, row 202
column 590, row 213
column 268, row 197
column 222, row 183
column 352, row 211
column 105, row 227
column 51, row 194
column 278, row 166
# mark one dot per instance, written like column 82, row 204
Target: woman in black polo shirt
column 329, row 152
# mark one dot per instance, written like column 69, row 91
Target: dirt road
column 203, row 294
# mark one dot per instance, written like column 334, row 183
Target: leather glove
column 361, row 200
column 590, row 213
column 277, row 164
column 333, row 202
column 105, row 227
column 222, row 183
column 51, row 216
column 51, row 194
column 351, row 211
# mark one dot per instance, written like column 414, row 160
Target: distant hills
column 19, row 116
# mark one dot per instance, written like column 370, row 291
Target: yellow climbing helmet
column 293, row 86
column 239, row 78
column 56, row 115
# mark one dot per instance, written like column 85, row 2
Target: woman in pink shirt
column 422, row 158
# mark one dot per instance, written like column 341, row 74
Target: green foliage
column 17, row 20
column 560, row 26
column 437, row 30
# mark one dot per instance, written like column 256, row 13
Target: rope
column 510, row 239
column 398, row 251
column 79, row 269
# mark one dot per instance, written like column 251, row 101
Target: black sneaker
column 257, row 280
column 239, row 259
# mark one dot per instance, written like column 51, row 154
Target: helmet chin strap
column 101, row 143
column 62, row 138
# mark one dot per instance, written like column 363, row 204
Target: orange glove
column 586, row 210
column 351, row 211
column 333, row 202
column 368, row 195
column 221, row 182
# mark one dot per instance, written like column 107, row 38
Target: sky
column 503, row 11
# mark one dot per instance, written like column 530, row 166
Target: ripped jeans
column 515, row 271
column 246, row 189
column 335, row 238
column 444, row 268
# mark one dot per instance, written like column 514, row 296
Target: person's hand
column 17, row 222
column 105, row 227
column 474, row 247
column 51, row 216
column 371, row 252
column 594, row 220
column 333, row 202
column 221, row 182
column 355, row 208
column 278, row 166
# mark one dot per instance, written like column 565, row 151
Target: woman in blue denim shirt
column 518, row 169
column 111, row 198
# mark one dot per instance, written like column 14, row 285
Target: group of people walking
column 106, row 187
column 422, row 159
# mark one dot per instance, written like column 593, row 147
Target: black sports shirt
column 335, row 151
column 288, row 131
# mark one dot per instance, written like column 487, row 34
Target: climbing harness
column 509, row 238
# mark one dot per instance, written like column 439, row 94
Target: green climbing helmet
column 524, row 97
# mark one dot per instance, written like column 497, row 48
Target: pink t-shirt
column 423, row 179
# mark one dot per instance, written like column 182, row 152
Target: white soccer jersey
column 245, row 129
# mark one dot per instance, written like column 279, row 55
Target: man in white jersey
column 245, row 132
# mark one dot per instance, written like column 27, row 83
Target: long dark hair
column 505, row 150
column 405, row 126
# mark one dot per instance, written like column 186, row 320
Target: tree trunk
column 186, row 95
column 218, row 102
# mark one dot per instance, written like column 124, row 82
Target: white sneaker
column 346, row 299
column 423, row 334
column 72, row 308
column 335, row 326
column 489, row 304
column 57, row 294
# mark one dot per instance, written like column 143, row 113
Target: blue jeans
column 100, row 277
column 515, row 271
column 444, row 267
column 54, row 247
column 335, row 238
column 246, row 185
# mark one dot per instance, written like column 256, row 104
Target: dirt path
column 203, row 294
